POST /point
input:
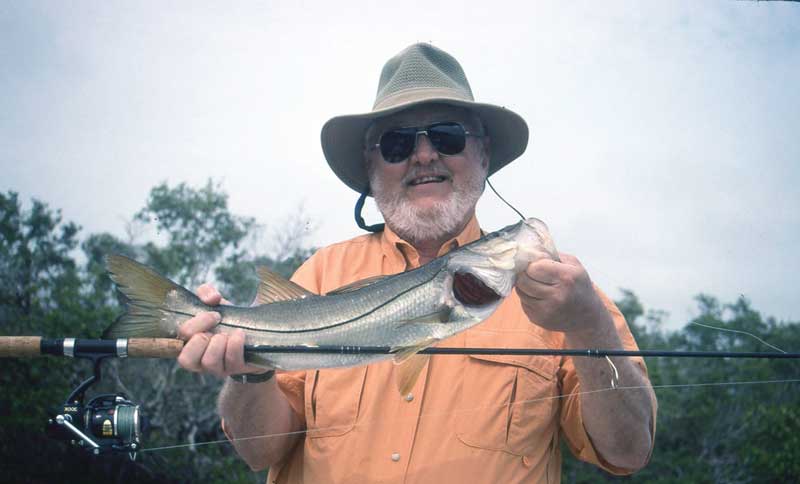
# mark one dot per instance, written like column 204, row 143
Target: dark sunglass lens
column 448, row 138
column 397, row 144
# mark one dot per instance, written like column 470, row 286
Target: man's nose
column 424, row 152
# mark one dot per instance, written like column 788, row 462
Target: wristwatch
column 253, row 377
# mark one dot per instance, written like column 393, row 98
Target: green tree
column 200, row 231
column 41, row 292
column 713, row 432
column 45, row 292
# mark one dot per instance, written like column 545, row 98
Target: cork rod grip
column 20, row 346
column 154, row 347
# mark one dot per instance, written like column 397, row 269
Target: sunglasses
column 449, row 138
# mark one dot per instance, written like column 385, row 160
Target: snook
column 407, row 311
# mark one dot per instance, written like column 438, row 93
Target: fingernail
column 216, row 316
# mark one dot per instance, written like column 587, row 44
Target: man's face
column 428, row 195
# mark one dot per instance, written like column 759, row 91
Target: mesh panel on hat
column 422, row 66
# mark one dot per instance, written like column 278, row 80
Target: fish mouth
column 471, row 291
column 425, row 179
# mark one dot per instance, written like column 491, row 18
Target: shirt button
column 409, row 397
column 395, row 457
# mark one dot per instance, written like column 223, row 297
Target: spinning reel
column 108, row 423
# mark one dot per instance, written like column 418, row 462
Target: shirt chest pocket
column 332, row 401
column 508, row 402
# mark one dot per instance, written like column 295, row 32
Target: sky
column 664, row 146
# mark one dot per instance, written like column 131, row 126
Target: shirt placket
column 409, row 414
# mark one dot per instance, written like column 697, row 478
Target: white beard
column 441, row 221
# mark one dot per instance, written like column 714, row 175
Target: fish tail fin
column 154, row 305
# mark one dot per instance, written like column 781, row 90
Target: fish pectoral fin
column 273, row 287
column 438, row 317
column 353, row 286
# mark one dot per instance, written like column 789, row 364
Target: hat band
column 408, row 96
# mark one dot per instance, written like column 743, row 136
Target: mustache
column 431, row 170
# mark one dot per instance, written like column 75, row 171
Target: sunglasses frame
column 418, row 130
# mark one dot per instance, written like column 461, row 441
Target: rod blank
column 597, row 353
column 31, row 346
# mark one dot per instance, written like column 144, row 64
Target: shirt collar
column 403, row 255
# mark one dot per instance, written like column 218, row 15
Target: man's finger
column 209, row 294
column 192, row 352
column 201, row 323
column 544, row 271
column 570, row 259
column 213, row 360
column 533, row 288
column 234, row 353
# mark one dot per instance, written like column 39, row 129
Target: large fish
column 408, row 311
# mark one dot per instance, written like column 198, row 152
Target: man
column 468, row 418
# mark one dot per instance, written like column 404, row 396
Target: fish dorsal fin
column 353, row 286
column 410, row 364
column 273, row 287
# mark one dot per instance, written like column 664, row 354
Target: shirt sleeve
column 571, row 419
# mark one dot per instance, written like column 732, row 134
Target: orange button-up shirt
column 469, row 418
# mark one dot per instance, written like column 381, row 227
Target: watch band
column 253, row 377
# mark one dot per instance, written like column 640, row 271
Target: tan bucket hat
column 421, row 73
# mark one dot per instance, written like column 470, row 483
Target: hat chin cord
column 360, row 220
column 379, row 227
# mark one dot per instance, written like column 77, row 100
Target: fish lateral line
column 333, row 325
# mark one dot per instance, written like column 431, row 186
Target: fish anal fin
column 354, row 286
column 407, row 373
column 273, row 287
column 410, row 364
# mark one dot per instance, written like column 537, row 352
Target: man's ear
column 486, row 149
column 367, row 162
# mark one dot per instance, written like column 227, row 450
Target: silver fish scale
column 386, row 326
column 379, row 314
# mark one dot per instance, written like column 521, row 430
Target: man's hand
column 559, row 296
column 218, row 354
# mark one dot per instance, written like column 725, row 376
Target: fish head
column 481, row 274
column 534, row 242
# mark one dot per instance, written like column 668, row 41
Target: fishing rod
column 31, row 346
column 113, row 423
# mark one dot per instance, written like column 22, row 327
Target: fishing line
column 503, row 199
column 480, row 408
column 737, row 331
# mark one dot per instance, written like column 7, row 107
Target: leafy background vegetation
column 54, row 284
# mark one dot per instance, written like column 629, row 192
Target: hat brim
column 343, row 137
